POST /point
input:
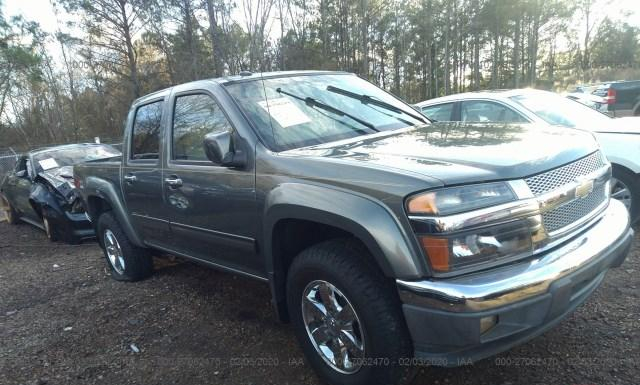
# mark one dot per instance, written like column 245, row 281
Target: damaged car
column 40, row 190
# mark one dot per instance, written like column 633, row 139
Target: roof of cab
column 246, row 76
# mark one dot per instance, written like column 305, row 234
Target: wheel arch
column 329, row 213
column 100, row 196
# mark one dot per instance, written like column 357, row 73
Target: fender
column 103, row 189
column 41, row 199
column 366, row 219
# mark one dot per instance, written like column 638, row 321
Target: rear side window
column 439, row 113
column 194, row 117
column 146, row 132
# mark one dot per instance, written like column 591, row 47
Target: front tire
column 50, row 229
column 9, row 212
column 347, row 316
column 625, row 187
column 126, row 261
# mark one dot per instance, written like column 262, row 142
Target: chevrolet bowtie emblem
column 584, row 188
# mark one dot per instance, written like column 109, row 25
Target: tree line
column 113, row 51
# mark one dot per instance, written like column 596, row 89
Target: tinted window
column 439, row 113
column 146, row 132
column 194, row 117
column 483, row 111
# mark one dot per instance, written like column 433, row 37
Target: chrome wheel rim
column 620, row 191
column 333, row 327
column 114, row 253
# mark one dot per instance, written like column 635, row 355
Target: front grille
column 551, row 180
column 574, row 210
column 578, row 208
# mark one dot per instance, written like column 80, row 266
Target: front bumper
column 71, row 227
column 443, row 316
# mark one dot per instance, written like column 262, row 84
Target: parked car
column 385, row 240
column 622, row 97
column 619, row 138
column 40, row 190
column 598, row 103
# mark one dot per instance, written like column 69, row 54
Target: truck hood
column 61, row 179
column 455, row 152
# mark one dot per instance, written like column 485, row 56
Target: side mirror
column 21, row 173
column 220, row 149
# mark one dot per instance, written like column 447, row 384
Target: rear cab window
column 145, row 138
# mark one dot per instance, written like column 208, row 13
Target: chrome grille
column 551, row 180
column 574, row 210
column 578, row 208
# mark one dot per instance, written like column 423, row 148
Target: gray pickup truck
column 386, row 240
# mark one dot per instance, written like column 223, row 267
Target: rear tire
column 383, row 344
column 625, row 186
column 126, row 261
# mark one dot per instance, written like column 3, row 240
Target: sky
column 42, row 12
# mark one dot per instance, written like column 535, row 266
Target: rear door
column 142, row 173
column 212, row 208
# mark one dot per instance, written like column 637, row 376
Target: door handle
column 173, row 181
column 130, row 178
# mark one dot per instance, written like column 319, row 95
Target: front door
column 212, row 208
column 18, row 188
column 142, row 174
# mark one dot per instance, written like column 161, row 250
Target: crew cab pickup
column 386, row 240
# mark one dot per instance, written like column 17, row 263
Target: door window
column 194, row 117
column 439, row 113
column 485, row 111
column 146, row 132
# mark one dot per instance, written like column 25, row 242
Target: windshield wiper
column 366, row 99
column 316, row 103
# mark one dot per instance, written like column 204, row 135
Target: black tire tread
column 633, row 183
column 350, row 259
column 138, row 261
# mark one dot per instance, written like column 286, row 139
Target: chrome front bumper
column 444, row 316
column 509, row 284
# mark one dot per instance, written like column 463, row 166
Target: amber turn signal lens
column 422, row 204
column 437, row 250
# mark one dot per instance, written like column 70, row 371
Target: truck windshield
column 556, row 110
column 300, row 111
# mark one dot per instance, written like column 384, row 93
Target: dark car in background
column 40, row 190
column 622, row 97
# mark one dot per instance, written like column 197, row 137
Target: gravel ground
column 63, row 320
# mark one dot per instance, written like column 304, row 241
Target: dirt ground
column 63, row 320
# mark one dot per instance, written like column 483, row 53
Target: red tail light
column 611, row 96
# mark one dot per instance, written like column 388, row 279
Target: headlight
column 455, row 200
column 465, row 249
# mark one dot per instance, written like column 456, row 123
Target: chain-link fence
column 8, row 159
